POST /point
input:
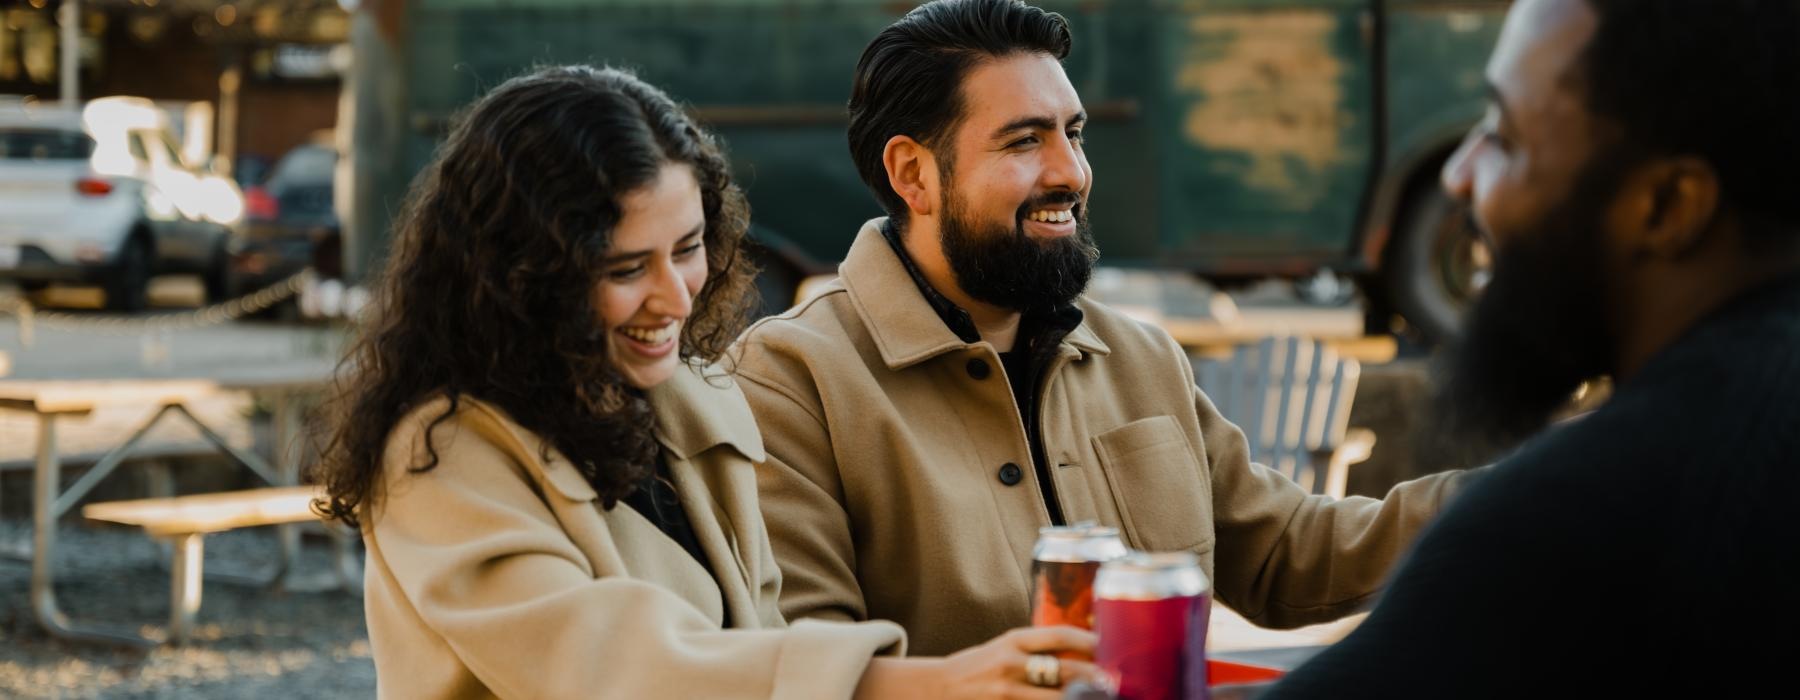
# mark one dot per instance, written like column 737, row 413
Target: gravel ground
column 249, row 642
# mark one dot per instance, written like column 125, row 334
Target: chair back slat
column 1290, row 396
column 1343, row 392
column 1327, row 369
column 1284, row 376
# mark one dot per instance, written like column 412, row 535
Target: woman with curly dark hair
column 556, row 486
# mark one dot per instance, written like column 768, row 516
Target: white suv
column 101, row 196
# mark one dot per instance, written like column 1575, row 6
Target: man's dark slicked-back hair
column 1713, row 79
column 909, row 80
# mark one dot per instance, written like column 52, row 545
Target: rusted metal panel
column 1267, row 116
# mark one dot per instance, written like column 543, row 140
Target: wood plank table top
column 81, row 396
column 211, row 512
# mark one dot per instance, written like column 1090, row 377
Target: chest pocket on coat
column 1164, row 501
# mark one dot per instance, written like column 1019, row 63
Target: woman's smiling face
column 653, row 271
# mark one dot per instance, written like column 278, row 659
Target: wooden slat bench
column 283, row 384
column 184, row 521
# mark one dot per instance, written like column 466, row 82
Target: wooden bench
column 184, row 521
column 282, row 384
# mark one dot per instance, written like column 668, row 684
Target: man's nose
column 1064, row 167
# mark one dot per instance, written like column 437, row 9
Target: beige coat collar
column 693, row 415
column 905, row 328
column 690, row 418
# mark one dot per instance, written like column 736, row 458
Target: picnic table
column 284, row 385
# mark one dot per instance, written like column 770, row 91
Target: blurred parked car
column 291, row 223
column 100, row 196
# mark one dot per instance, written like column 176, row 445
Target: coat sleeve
column 803, row 506
column 1444, row 629
column 1286, row 557
column 485, row 565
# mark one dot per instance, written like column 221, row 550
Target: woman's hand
column 996, row 669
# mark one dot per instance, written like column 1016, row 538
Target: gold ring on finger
column 1043, row 670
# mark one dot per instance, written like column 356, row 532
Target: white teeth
column 1053, row 215
column 652, row 337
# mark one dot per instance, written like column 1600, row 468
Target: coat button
column 1010, row 474
column 978, row 368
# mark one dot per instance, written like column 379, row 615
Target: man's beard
column 1005, row 267
column 1537, row 333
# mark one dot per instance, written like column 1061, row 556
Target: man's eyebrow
column 631, row 255
column 1037, row 123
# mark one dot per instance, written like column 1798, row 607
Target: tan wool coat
column 497, row 574
column 891, row 444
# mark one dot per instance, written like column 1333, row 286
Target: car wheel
column 217, row 277
column 1436, row 266
column 129, row 288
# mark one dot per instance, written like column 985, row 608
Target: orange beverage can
column 1064, row 563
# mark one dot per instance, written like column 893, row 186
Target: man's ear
column 912, row 172
column 1667, row 206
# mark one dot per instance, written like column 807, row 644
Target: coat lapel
column 712, row 446
column 712, row 526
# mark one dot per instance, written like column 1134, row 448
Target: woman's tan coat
column 497, row 574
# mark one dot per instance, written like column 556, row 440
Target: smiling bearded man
column 952, row 391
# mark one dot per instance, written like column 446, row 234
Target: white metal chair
column 1291, row 396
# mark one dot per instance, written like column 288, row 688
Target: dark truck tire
column 1435, row 266
column 216, row 278
column 128, row 287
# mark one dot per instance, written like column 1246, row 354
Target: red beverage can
column 1151, row 612
column 1063, row 565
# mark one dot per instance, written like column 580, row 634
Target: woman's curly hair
column 488, row 290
